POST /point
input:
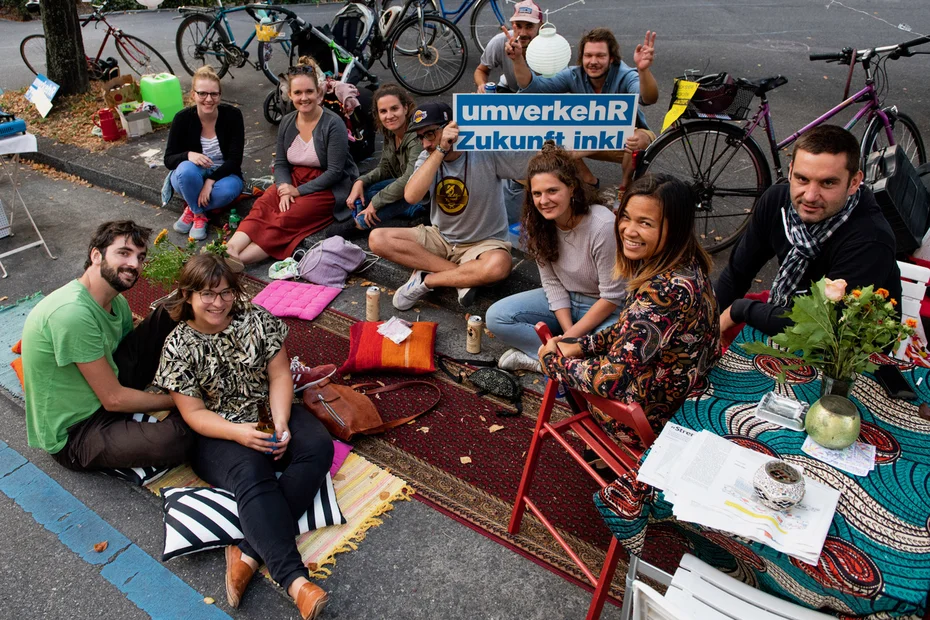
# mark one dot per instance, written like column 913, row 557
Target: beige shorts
column 431, row 239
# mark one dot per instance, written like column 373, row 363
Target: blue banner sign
column 523, row 122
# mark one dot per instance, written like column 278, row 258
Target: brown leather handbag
column 347, row 411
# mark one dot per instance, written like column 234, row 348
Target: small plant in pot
column 836, row 331
column 166, row 259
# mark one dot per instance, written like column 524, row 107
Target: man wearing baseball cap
column 525, row 23
column 466, row 244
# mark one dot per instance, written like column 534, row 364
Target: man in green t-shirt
column 86, row 367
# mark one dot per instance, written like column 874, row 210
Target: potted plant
column 166, row 259
column 836, row 332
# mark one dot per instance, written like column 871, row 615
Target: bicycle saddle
column 764, row 85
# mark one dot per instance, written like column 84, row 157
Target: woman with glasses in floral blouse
column 204, row 154
column 224, row 361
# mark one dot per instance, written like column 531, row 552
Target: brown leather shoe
column 311, row 599
column 238, row 575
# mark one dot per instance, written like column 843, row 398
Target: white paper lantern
column 150, row 4
column 549, row 52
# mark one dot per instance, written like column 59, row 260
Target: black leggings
column 268, row 506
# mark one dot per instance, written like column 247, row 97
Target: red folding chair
column 619, row 459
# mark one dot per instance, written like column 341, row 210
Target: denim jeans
column 268, row 506
column 188, row 178
column 513, row 319
column 398, row 208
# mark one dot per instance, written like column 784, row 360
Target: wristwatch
column 442, row 150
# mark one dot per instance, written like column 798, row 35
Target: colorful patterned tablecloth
column 876, row 559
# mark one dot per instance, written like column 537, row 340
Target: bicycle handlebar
column 831, row 56
column 894, row 51
column 903, row 49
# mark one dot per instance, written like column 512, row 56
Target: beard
column 112, row 276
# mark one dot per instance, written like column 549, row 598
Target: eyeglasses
column 208, row 297
column 430, row 134
column 205, row 95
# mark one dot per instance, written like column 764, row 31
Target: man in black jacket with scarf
column 823, row 223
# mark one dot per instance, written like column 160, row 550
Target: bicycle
column 205, row 37
column 426, row 53
column 141, row 57
column 727, row 167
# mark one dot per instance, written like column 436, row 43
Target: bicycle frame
column 459, row 13
column 97, row 17
column 871, row 108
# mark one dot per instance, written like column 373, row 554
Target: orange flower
column 161, row 236
column 857, row 293
column 883, row 293
column 893, row 301
column 912, row 323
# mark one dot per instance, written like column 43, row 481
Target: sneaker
column 305, row 377
column 515, row 359
column 184, row 223
column 411, row 292
column 199, row 229
column 466, row 296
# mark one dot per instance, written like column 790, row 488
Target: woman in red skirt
column 313, row 174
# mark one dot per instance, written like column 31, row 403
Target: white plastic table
column 12, row 147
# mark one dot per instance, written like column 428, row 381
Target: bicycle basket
column 718, row 97
column 268, row 32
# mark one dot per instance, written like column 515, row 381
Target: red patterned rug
column 428, row 454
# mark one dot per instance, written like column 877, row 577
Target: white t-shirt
column 211, row 148
column 495, row 57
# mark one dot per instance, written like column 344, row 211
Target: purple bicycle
column 727, row 167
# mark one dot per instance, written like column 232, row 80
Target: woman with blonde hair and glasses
column 668, row 334
column 224, row 361
column 204, row 154
column 313, row 173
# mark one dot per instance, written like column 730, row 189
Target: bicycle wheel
column 906, row 136
column 274, row 58
column 142, row 58
column 271, row 108
column 484, row 24
column 726, row 170
column 198, row 43
column 440, row 58
column 32, row 49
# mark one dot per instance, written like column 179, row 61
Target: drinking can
column 490, row 87
column 373, row 304
column 473, row 334
column 359, row 207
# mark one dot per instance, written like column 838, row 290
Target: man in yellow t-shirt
column 85, row 368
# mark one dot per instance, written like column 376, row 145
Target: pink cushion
column 303, row 301
column 340, row 453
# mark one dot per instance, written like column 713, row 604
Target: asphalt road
column 419, row 564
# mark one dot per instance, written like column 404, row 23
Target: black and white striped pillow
column 197, row 518
column 138, row 475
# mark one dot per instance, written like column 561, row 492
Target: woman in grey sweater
column 573, row 243
column 313, row 174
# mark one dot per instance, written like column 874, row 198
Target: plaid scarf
column 806, row 244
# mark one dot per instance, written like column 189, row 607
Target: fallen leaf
column 258, row 161
column 354, row 303
column 483, row 419
column 488, row 333
column 208, row 600
column 100, row 547
column 494, row 428
column 759, row 280
column 535, row 381
column 423, row 429
column 383, row 496
column 367, row 283
column 465, row 460
column 4, row 298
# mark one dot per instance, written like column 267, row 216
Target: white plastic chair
column 650, row 605
column 709, row 594
column 914, row 281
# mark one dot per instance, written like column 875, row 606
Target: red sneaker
column 199, row 229
column 184, row 223
column 304, row 376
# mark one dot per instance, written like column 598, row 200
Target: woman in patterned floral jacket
column 224, row 361
column 667, row 337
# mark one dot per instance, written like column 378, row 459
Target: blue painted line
column 143, row 580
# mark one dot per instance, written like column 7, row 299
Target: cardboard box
column 121, row 89
column 135, row 123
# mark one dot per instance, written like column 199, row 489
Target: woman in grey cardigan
column 313, row 176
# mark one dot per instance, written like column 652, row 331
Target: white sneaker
column 515, row 359
column 411, row 292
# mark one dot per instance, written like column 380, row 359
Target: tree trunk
column 64, row 46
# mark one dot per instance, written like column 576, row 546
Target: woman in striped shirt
column 204, row 154
column 573, row 243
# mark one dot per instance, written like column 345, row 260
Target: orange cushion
column 18, row 347
column 17, row 365
column 370, row 351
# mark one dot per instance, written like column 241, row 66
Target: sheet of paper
column 858, row 459
column 668, row 446
column 396, row 330
column 42, row 103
